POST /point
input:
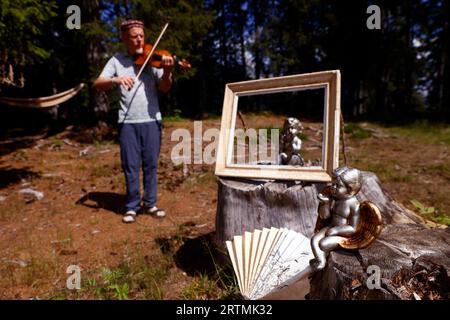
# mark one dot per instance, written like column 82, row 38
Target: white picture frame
column 330, row 81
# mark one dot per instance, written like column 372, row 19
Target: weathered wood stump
column 406, row 242
column 414, row 263
column 245, row 205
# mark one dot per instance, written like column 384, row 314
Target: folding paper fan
column 266, row 261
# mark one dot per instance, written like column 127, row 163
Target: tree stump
column 405, row 244
column 414, row 263
column 245, row 205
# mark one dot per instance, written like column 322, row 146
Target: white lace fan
column 266, row 261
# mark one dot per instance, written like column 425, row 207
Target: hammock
column 42, row 102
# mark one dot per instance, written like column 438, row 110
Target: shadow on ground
column 9, row 176
column 12, row 144
column 199, row 256
column 192, row 255
column 100, row 132
column 13, row 139
column 110, row 201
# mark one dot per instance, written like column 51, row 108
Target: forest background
column 398, row 74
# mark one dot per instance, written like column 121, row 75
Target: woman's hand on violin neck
column 127, row 82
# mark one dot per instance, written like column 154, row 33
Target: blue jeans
column 140, row 141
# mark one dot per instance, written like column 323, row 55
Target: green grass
column 255, row 115
column 217, row 286
column 221, row 284
column 202, row 288
column 441, row 168
column 141, row 277
column 387, row 173
column 425, row 131
column 178, row 167
column 356, row 132
column 442, row 219
column 103, row 142
column 100, row 171
column 216, row 281
column 204, row 179
column 303, row 137
column 57, row 142
column 431, row 213
column 114, row 284
column 37, row 270
column 175, row 116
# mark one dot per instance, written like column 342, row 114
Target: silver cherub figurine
column 353, row 225
column 291, row 143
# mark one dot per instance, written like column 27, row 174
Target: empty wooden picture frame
column 329, row 81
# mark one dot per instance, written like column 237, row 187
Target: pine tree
column 22, row 28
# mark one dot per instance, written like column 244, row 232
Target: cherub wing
column 369, row 227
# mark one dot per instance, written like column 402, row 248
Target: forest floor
column 78, row 220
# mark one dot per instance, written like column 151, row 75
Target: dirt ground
column 78, row 220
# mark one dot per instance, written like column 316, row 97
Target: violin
column 156, row 58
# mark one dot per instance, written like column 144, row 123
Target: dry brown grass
column 78, row 221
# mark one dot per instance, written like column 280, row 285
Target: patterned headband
column 128, row 24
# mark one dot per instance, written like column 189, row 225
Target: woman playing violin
column 139, row 117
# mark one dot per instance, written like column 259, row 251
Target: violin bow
column 151, row 52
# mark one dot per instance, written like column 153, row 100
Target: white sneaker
column 130, row 216
column 155, row 212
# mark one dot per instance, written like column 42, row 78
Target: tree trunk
column 245, row 205
column 413, row 262
column 445, row 83
column 98, row 100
